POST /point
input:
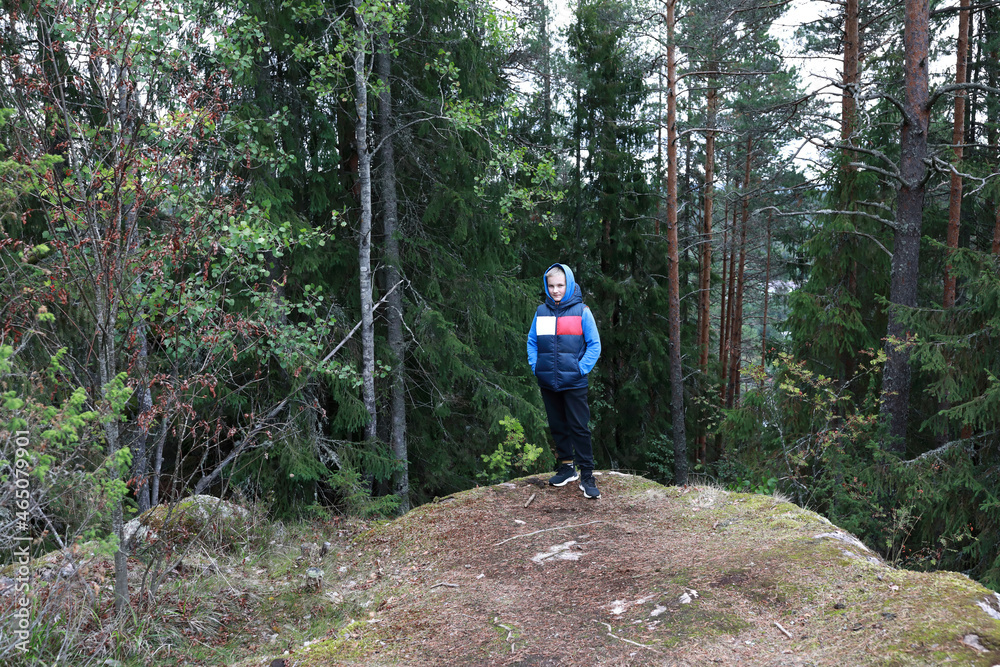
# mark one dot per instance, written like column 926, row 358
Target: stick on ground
column 545, row 530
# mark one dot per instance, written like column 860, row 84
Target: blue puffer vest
column 559, row 337
column 560, row 344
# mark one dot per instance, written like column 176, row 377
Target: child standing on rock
column 563, row 347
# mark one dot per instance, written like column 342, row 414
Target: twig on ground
column 787, row 633
column 629, row 641
column 528, row 502
column 444, row 583
column 545, row 530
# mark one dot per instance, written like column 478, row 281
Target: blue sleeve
column 533, row 344
column 593, row 340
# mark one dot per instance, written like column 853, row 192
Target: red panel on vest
column 569, row 326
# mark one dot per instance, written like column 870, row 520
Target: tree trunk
column 140, row 453
column 546, row 72
column 578, row 146
column 705, row 276
column 730, row 310
column 957, row 138
column 991, row 17
column 659, row 152
column 365, row 231
column 906, row 251
column 972, row 96
column 106, row 309
column 154, row 491
column 852, row 47
column 851, row 76
column 723, row 301
column 996, row 227
column 767, row 293
column 676, row 372
column 736, row 324
column 394, row 304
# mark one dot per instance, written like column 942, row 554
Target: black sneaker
column 566, row 474
column 589, row 487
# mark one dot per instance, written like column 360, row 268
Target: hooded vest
column 560, row 340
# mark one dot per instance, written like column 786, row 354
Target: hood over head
column 573, row 292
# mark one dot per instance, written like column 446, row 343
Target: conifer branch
column 946, row 447
column 261, row 424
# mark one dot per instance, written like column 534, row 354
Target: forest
column 288, row 253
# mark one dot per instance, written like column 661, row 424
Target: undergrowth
column 217, row 604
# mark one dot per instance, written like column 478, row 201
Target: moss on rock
column 202, row 517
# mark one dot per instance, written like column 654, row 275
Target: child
column 563, row 347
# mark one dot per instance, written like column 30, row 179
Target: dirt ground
column 526, row 574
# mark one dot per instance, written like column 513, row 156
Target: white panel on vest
column 545, row 326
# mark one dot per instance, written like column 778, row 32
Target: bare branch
column 894, row 174
column 952, row 87
column 971, row 8
column 883, row 96
column 827, row 211
column 545, row 530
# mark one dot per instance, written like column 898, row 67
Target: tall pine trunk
column 848, row 114
column 676, row 372
column 909, row 217
column 730, row 310
column 736, row 321
column 767, row 293
column 852, row 49
column 705, row 276
column 723, row 295
column 397, row 345
column 957, row 139
column 991, row 17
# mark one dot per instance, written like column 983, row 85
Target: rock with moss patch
column 202, row 517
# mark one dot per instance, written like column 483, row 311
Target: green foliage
column 608, row 228
column 512, row 456
column 957, row 348
column 361, row 465
column 74, row 482
column 659, row 463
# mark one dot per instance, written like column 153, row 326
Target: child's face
column 557, row 286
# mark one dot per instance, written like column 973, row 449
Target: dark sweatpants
column 569, row 415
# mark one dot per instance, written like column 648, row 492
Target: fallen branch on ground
column 545, row 530
column 611, row 634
